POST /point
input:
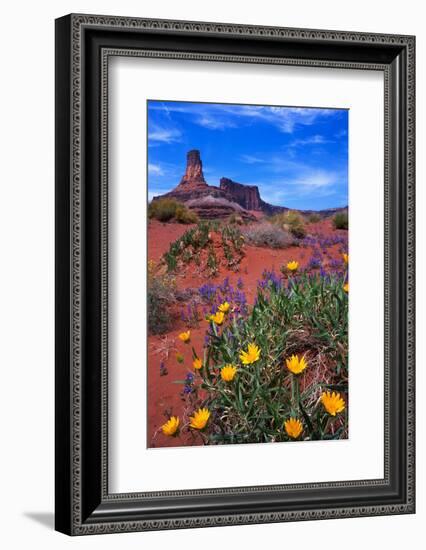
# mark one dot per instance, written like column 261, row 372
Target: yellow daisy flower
column 197, row 363
column 171, row 426
column 185, row 336
column 228, row 372
column 217, row 318
column 224, row 308
column 333, row 402
column 296, row 365
column 251, row 355
column 293, row 265
column 293, row 427
column 199, row 419
column 346, row 287
column 345, row 258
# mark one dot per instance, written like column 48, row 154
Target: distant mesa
column 211, row 202
column 248, row 197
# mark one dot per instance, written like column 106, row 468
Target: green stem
column 295, row 393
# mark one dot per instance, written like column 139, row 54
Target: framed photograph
column 234, row 274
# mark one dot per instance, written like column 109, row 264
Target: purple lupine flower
column 207, row 292
column 314, row 263
column 335, row 264
column 189, row 377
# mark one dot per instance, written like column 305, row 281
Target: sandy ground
column 164, row 393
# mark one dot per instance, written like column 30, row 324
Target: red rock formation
column 193, row 176
column 208, row 201
column 247, row 196
column 212, row 207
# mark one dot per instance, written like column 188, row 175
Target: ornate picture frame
column 84, row 45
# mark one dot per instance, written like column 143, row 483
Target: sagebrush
column 269, row 235
column 166, row 210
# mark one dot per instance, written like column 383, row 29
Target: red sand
column 164, row 394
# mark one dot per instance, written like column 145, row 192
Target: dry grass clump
column 268, row 235
column 314, row 218
column 291, row 221
column 166, row 210
column 340, row 220
column 161, row 295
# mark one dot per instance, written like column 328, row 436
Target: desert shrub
column 163, row 210
column 212, row 262
column 291, row 221
column 233, row 236
column 193, row 242
column 269, row 235
column 160, row 296
column 166, row 210
column 184, row 215
column 314, row 218
column 246, row 383
column 340, row 220
column 235, row 219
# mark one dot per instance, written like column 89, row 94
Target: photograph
column 248, row 273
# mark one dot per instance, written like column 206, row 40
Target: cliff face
column 247, row 196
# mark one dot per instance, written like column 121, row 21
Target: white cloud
column 213, row 123
column 312, row 140
column 284, row 118
column 218, row 116
column 163, row 135
column 155, row 170
column 303, row 182
column 341, row 134
column 315, row 179
column 251, row 159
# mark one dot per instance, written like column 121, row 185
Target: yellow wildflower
column 346, row 287
column 251, row 355
column 293, row 427
column 199, row 419
column 333, row 402
column 228, row 373
column 185, row 336
column 224, row 308
column 197, row 363
column 296, row 365
column 345, row 258
column 293, row 265
column 171, row 426
column 217, row 318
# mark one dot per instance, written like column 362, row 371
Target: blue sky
column 297, row 156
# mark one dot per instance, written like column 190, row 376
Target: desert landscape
column 247, row 316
